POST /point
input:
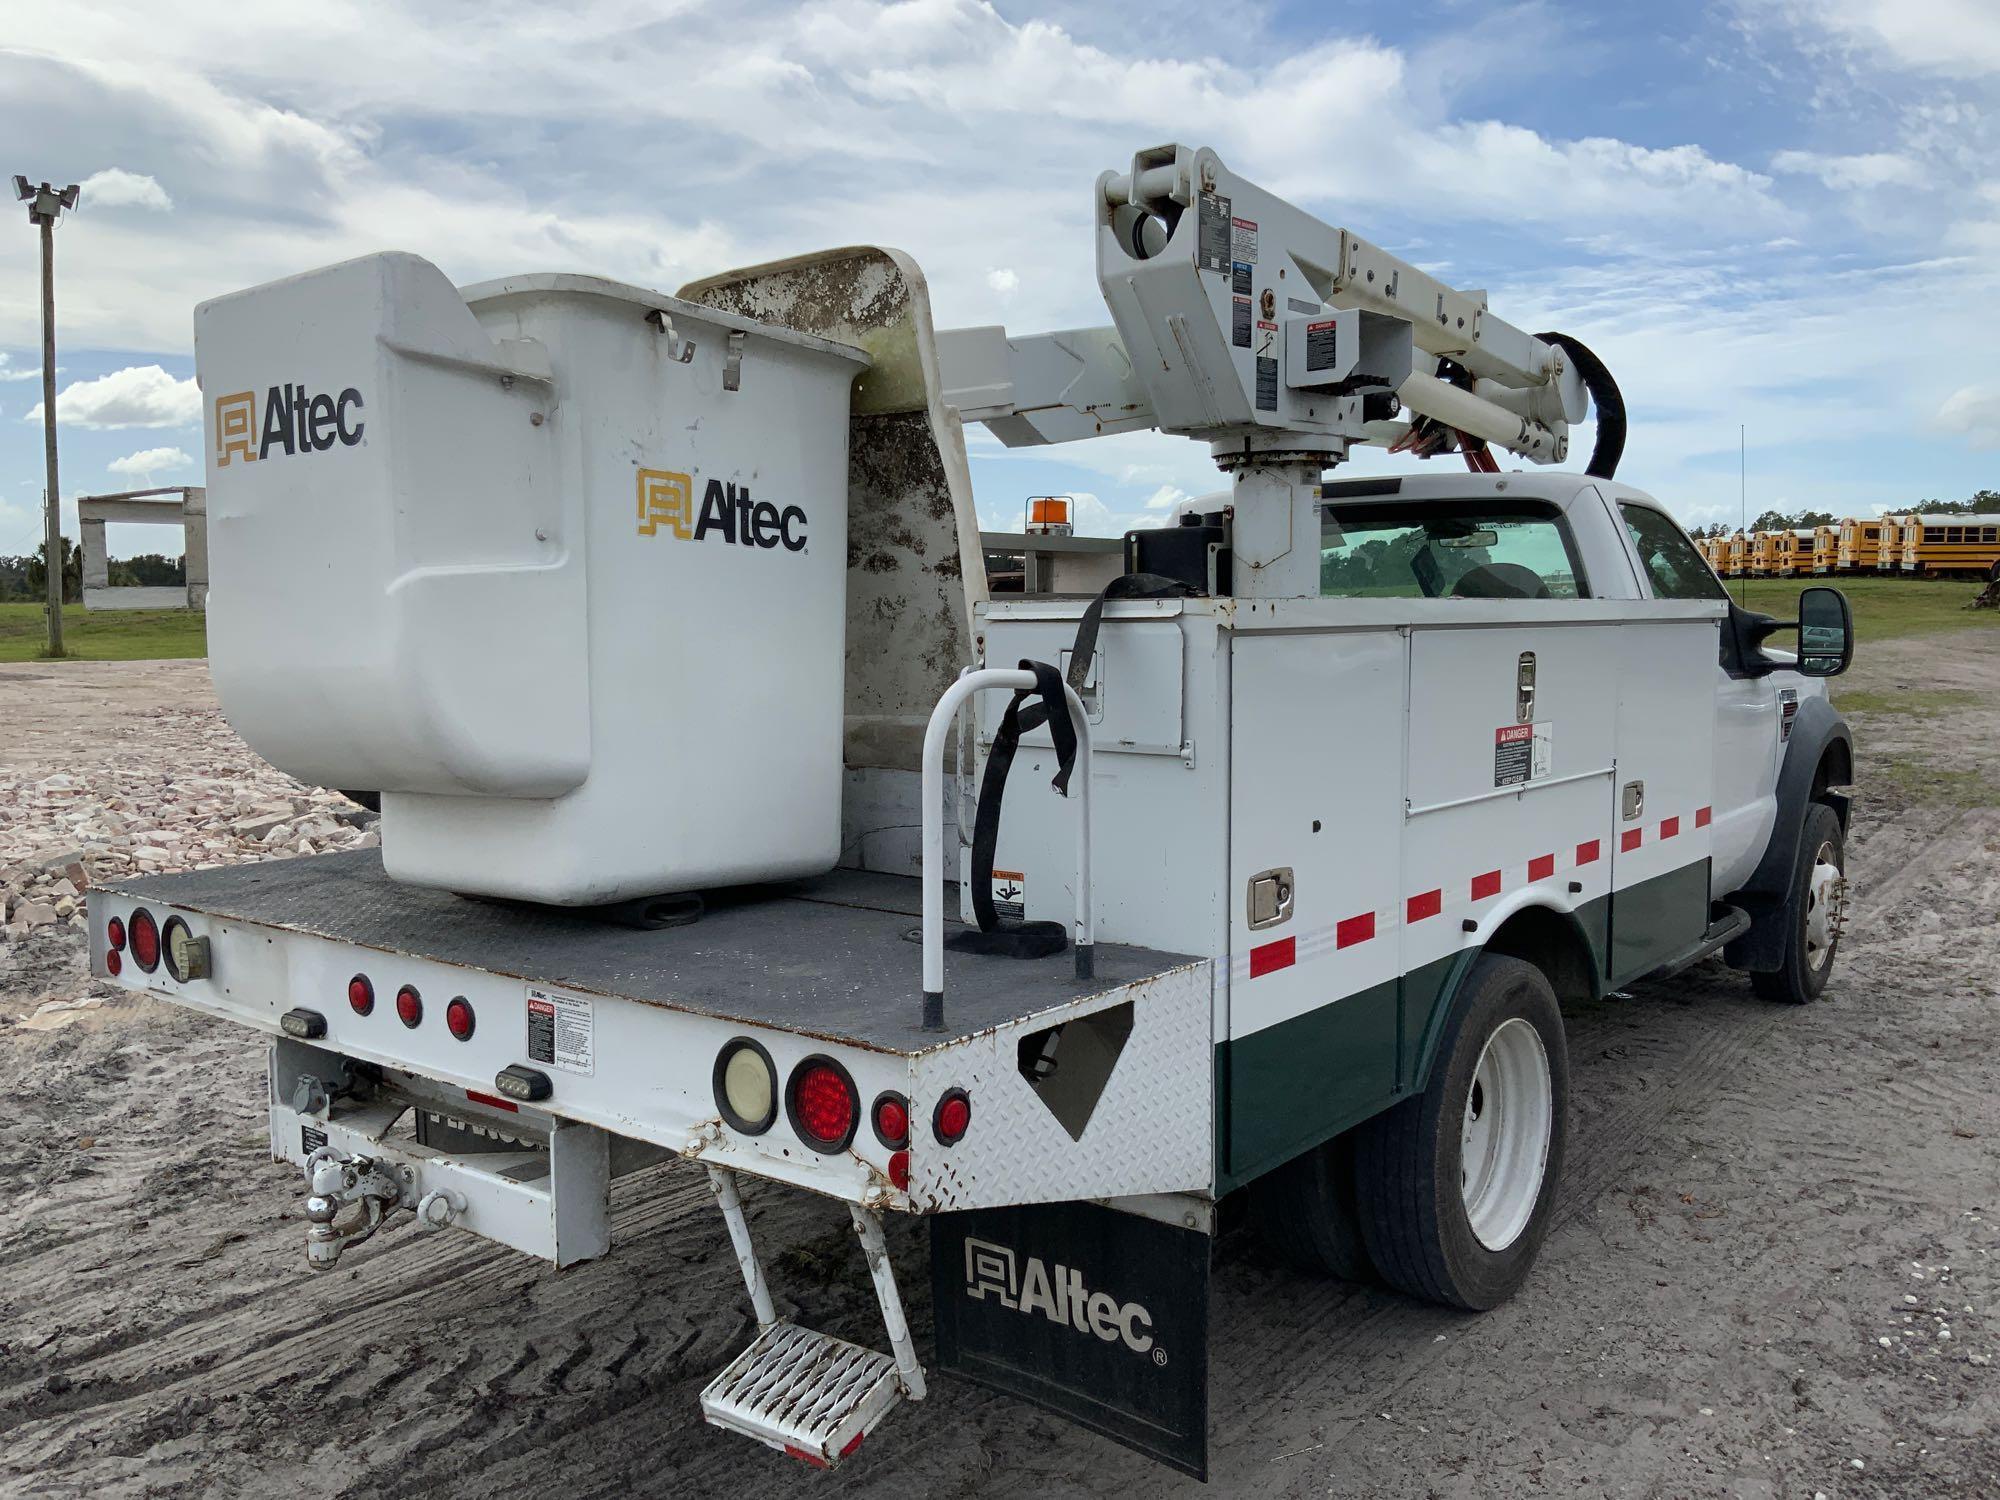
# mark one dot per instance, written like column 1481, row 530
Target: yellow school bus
column 1763, row 559
column 1890, row 558
column 1735, row 555
column 1859, row 548
column 1825, row 548
column 1936, row 545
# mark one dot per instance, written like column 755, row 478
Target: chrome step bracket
column 810, row 1395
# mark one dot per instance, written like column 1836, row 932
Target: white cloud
column 1003, row 281
column 1870, row 169
column 114, row 187
column 1166, row 497
column 136, row 396
column 9, row 372
column 1955, row 38
column 1974, row 413
column 147, row 461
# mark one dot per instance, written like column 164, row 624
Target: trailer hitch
column 339, row 1182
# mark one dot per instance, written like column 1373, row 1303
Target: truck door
column 1749, row 715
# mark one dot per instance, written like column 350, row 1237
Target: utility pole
column 45, row 204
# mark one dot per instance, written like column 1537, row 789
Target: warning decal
column 1243, row 240
column 1239, row 278
column 1267, row 366
column 1321, row 353
column 1513, row 754
column 1212, row 234
column 1010, row 895
column 1239, row 322
column 561, row 1030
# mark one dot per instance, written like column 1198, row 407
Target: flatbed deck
column 835, row 957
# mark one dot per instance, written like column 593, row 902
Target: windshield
column 1446, row 551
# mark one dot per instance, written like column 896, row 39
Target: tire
column 1416, row 1195
column 1811, row 914
column 1305, row 1212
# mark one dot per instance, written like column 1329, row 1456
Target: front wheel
column 1812, row 912
column 1455, row 1187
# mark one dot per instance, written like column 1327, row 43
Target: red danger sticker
column 1513, row 754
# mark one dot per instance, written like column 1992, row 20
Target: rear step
column 807, row 1394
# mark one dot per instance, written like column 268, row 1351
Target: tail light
column 952, row 1116
column 823, row 1104
column 145, row 936
column 114, row 934
column 360, row 995
column 409, row 1006
column 890, row 1115
column 459, row 1019
column 899, row 1170
column 113, row 962
column 746, row 1086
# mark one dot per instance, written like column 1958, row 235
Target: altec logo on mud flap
column 1029, row 1287
column 295, row 421
column 666, row 499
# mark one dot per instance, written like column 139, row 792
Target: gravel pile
column 181, row 793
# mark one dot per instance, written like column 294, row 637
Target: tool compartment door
column 1663, row 804
column 1316, row 758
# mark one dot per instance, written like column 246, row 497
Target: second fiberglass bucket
column 556, row 565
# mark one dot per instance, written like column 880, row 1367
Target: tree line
column 28, row 577
column 1983, row 502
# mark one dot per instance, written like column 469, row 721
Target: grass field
column 104, row 635
column 1884, row 608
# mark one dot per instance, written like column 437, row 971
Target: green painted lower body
column 1287, row 1088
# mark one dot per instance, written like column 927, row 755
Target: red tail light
column 823, row 1104
column 891, row 1118
column 145, row 934
column 113, row 962
column 114, row 934
column 953, row 1116
column 360, row 995
column 899, row 1169
column 409, row 1006
column 458, row 1018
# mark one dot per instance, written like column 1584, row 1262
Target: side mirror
column 1826, row 632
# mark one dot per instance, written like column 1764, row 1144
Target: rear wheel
column 1455, row 1187
column 1305, row 1212
column 1812, row 912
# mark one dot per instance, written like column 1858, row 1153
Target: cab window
column 1447, row 550
column 1668, row 558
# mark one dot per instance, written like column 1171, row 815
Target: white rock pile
column 186, row 795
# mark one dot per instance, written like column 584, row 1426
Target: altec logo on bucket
column 1029, row 1287
column 666, row 500
column 295, row 421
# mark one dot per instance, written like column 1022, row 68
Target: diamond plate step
column 809, row 1394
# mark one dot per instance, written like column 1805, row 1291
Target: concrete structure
column 185, row 506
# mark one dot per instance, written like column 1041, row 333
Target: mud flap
column 1096, row 1315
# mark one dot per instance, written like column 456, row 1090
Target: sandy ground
column 1773, row 1275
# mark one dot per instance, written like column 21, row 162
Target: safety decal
column 1212, row 234
column 1239, row 322
column 1523, row 753
column 561, row 1030
column 1243, row 240
column 1239, row 278
column 1322, row 348
column 1267, row 366
column 1010, row 895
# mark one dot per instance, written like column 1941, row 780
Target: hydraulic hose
column 1605, row 396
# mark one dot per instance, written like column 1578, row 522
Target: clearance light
column 951, row 1117
column 145, row 933
column 899, row 1170
column 890, row 1115
column 360, row 995
column 823, row 1105
column 409, row 1006
column 114, row 933
column 746, row 1086
column 459, row 1019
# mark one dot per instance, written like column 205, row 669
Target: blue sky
column 1761, row 212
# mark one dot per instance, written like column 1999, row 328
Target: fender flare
column 1766, row 895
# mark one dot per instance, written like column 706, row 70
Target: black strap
column 1125, row 586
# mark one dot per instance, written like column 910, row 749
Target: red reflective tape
column 1669, row 827
column 1279, row 955
column 852, row 1443
column 1485, row 885
column 1586, row 854
column 1629, row 840
column 1702, row 815
column 1354, row 930
column 1541, row 867
column 493, row 1099
column 804, row 1457
column 1429, row 904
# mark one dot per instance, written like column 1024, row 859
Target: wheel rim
column 1509, row 1118
column 1826, row 899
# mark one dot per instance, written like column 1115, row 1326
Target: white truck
column 659, row 629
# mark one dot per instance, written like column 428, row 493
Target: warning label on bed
column 1211, row 250
column 1010, row 895
column 1320, row 351
column 561, row 1030
column 1239, row 322
column 1267, row 366
column 1243, row 240
column 1523, row 753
